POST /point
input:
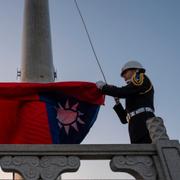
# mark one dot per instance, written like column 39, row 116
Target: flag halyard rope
column 90, row 41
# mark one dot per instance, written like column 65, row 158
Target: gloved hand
column 100, row 84
column 116, row 99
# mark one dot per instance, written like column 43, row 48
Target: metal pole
column 37, row 60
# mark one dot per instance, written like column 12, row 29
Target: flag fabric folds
column 47, row 113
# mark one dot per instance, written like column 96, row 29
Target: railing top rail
column 83, row 151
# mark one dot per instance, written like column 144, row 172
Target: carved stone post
column 169, row 155
column 156, row 129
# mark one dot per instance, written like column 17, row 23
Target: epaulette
column 138, row 79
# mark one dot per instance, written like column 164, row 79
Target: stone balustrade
column 159, row 161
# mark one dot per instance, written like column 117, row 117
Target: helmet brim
column 142, row 70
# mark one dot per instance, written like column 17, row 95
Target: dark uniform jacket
column 138, row 93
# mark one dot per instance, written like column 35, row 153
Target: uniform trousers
column 138, row 131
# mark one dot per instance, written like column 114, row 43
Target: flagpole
column 37, row 59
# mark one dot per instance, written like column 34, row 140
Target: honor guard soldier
column 139, row 100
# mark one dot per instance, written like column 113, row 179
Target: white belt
column 138, row 111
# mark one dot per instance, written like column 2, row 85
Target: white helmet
column 132, row 65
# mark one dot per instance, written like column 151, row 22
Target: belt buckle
column 143, row 109
column 133, row 113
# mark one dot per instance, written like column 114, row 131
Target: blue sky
column 144, row 30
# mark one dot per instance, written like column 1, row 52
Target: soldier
column 139, row 100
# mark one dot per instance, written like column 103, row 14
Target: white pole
column 37, row 60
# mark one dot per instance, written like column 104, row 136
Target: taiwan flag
column 47, row 113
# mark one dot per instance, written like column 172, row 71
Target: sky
column 144, row 30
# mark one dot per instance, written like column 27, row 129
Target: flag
column 47, row 113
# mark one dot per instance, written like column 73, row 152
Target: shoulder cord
column 90, row 41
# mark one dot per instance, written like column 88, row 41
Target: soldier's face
column 127, row 75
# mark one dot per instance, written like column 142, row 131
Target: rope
column 90, row 41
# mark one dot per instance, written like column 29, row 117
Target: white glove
column 100, row 84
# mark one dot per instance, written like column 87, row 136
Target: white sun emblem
column 68, row 116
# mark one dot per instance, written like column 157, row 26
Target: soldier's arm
column 134, row 87
column 118, row 108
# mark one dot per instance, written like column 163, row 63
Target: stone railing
column 160, row 161
column 157, row 161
